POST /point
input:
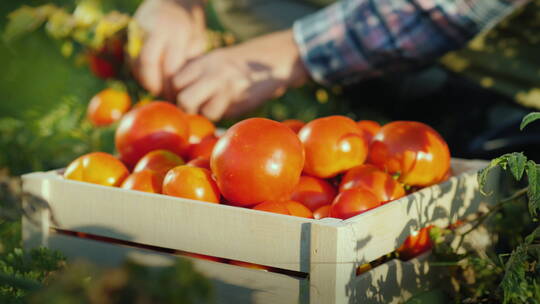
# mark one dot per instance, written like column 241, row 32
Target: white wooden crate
column 321, row 255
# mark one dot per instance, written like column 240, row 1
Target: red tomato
column 371, row 178
column 97, row 168
column 322, row 212
column 353, row 202
column 257, row 160
column 313, row 192
column 294, row 124
column 202, row 149
column 369, row 128
column 199, row 128
column 414, row 150
column 201, row 162
column 416, row 244
column 101, row 67
column 159, row 161
column 157, row 125
column 147, row 181
column 332, row 144
column 107, row 107
column 192, row 183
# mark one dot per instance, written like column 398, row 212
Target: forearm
column 358, row 39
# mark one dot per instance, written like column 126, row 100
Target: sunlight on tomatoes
column 201, row 162
column 294, row 124
column 322, row 212
column 332, row 145
column 369, row 128
column 107, row 107
column 297, row 209
column 192, row 183
column 417, row 243
column 146, row 181
column 157, row 125
column 413, row 150
column 97, row 168
column 199, row 128
column 353, row 202
column 203, row 148
column 159, row 161
column 272, row 206
column 313, row 192
column 257, row 160
column 371, row 178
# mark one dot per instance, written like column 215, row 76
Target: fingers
column 216, row 106
column 197, row 93
column 173, row 60
column 149, row 64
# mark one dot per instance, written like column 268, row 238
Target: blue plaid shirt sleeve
column 358, row 39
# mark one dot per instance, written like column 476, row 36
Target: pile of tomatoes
column 329, row 167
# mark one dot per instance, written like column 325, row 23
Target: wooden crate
column 317, row 258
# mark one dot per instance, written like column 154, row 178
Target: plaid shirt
column 357, row 39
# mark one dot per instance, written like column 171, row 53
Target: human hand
column 236, row 79
column 174, row 32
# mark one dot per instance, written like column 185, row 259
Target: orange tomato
column 107, row 107
column 257, row 160
column 97, row 168
column 203, row 148
column 192, row 183
column 322, row 212
column 159, row 161
column 369, row 128
column 201, row 162
column 414, row 150
column 147, row 181
column 353, row 202
column 297, row 209
column 157, row 125
column 199, row 128
column 416, row 244
column 371, row 178
column 273, row 206
column 313, row 192
column 332, row 145
column 294, row 124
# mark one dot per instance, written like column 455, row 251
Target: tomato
column 417, row 243
column 201, row 162
column 192, row 183
column 106, row 62
column 353, row 202
column 414, row 150
column 157, row 125
column 369, row 128
column 199, row 128
column 332, row 145
column 294, row 124
column 203, row 148
column 313, row 192
column 371, row 178
column 97, row 168
column 322, row 212
column 107, row 107
column 159, row 161
column 273, row 206
column 297, row 209
column 146, row 180
column 249, row 265
column 257, row 160
column 101, row 67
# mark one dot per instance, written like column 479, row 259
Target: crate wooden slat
column 329, row 250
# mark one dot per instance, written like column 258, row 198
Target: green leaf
column 516, row 164
column 27, row 19
column 534, row 188
column 533, row 236
column 482, row 175
column 514, row 273
column 528, row 119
